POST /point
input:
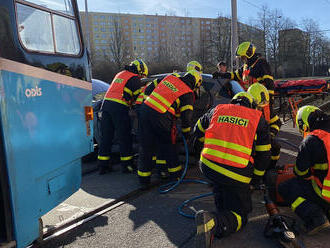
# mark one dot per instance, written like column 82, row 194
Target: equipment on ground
column 280, row 228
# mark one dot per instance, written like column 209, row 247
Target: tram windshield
column 64, row 6
column 43, row 30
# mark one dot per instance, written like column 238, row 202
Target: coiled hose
column 163, row 189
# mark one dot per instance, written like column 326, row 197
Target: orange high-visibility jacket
column 323, row 189
column 230, row 136
column 116, row 90
column 166, row 92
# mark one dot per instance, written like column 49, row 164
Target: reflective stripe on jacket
column 116, row 90
column 230, row 136
column 166, row 92
column 141, row 96
column 323, row 189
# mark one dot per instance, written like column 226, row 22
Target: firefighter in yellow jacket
column 121, row 95
column 236, row 153
column 309, row 192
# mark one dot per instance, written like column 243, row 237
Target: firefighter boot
column 316, row 224
column 104, row 166
column 206, row 227
column 144, row 182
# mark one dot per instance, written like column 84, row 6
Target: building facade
column 159, row 37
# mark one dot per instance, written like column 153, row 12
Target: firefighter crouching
column 309, row 192
column 120, row 96
column 261, row 98
column 173, row 96
column 236, row 153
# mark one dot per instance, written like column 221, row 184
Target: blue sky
column 318, row 10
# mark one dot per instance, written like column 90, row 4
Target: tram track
column 66, row 226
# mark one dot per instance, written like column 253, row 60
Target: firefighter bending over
column 172, row 97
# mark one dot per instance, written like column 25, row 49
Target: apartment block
column 151, row 36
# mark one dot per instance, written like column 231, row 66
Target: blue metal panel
column 45, row 136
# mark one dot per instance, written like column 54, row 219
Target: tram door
column 45, row 112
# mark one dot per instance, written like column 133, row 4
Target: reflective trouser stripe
column 297, row 202
column 258, row 172
column 300, row 173
column 154, row 158
column 225, row 172
column 175, row 169
column 103, row 157
column 144, row 174
column 126, row 158
column 239, row 220
column 202, row 139
column 263, row 148
column 158, row 161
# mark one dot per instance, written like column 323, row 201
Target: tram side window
column 45, row 31
column 35, row 29
column 66, row 42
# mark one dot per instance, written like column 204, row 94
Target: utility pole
column 87, row 26
column 234, row 35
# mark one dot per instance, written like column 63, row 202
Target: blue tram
column 46, row 113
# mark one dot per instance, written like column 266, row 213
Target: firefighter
column 261, row 98
column 254, row 70
column 161, row 163
column 235, row 155
column 173, row 96
column 122, row 93
column 309, row 192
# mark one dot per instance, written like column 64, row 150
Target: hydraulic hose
column 163, row 189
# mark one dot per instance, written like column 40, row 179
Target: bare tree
column 117, row 44
column 221, row 39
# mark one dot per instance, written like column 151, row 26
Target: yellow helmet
column 141, row 67
column 243, row 98
column 246, row 49
column 303, row 117
column 194, row 65
column 259, row 93
column 197, row 76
